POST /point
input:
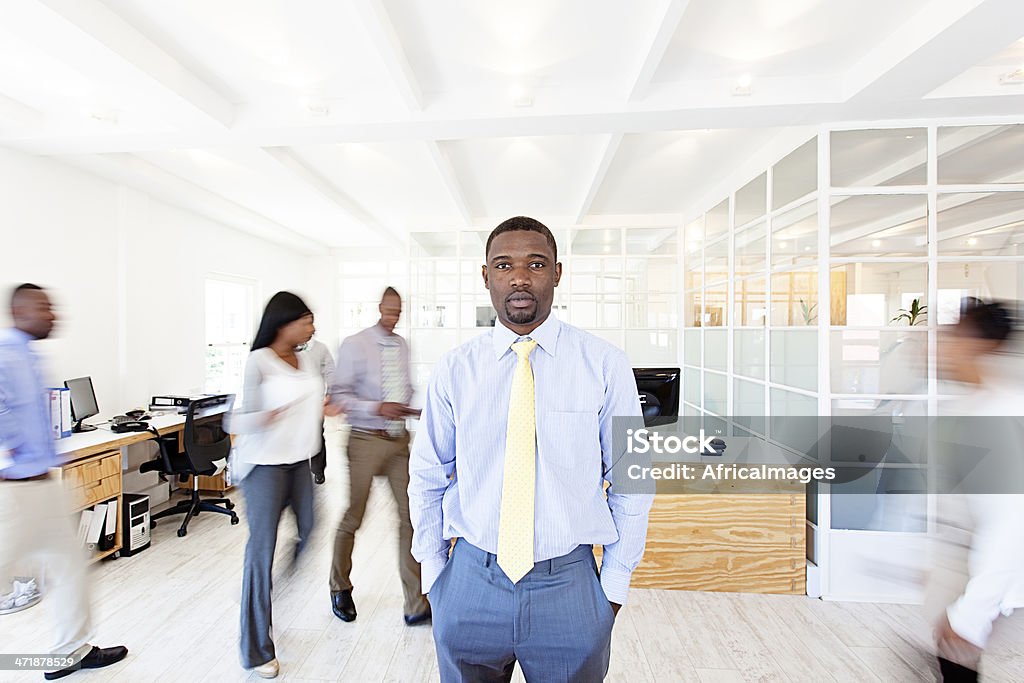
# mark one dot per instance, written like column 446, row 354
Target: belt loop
column 487, row 559
column 551, row 566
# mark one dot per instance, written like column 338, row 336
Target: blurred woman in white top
column 985, row 518
column 278, row 424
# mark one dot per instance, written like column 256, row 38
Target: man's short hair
column 522, row 223
column 389, row 291
column 20, row 289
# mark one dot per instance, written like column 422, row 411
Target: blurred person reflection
column 985, row 526
column 279, row 423
column 35, row 515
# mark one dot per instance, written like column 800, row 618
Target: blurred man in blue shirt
column 35, row 520
column 513, row 451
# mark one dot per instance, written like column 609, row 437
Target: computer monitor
column 83, row 402
column 659, row 394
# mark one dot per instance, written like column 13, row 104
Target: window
column 229, row 329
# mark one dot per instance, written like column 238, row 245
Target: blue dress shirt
column 456, row 466
column 26, row 442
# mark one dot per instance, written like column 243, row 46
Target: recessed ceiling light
column 908, row 137
column 807, row 248
column 520, row 95
column 972, row 241
column 99, row 115
column 279, row 57
column 876, row 243
column 783, row 245
column 1013, row 77
column 743, row 85
column 316, row 106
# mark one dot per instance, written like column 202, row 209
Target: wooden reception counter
column 727, row 540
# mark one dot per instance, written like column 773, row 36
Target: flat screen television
column 659, row 394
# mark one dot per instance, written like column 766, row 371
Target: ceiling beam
column 611, row 146
column 1001, row 222
column 580, row 120
column 325, row 188
column 15, row 114
column 98, row 24
column 662, row 36
column 134, row 172
column 381, row 31
column 940, row 42
column 445, row 168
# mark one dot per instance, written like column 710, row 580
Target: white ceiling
column 351, row 123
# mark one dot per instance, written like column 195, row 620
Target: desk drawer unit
column 96, row 479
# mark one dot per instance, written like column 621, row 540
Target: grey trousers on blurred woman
column 269, row 489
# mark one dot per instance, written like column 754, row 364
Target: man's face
column 390, row 311
column 33, row 313
column 521, row 275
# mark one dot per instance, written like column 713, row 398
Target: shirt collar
column 381, row 333
column 546, row 336
column 13, row 335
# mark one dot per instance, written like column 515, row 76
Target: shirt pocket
column 570, row 440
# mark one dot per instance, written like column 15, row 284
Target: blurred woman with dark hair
column 981, row 511
column 277, row 424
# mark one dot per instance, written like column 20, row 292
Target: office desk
column 103, row 440
column 92, row 465
column 738, row 539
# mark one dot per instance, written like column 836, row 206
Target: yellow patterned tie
column 515, row 529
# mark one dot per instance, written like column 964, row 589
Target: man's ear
column 483, row 272
column 558, row 273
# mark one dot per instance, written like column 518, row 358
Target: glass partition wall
column 821, row 287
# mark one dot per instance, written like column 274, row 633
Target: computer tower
column 135, row 524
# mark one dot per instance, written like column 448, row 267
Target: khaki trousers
column 370, row 455
column 36, row 526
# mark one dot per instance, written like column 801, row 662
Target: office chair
column 201, row 452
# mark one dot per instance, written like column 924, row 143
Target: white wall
column 127, row 274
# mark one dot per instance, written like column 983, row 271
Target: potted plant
column 808, row 313
column 915, row 315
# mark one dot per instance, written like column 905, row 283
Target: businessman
column 371, row 385
column 34, row 515
column 513, row 451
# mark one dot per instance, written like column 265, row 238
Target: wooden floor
column 175, row 606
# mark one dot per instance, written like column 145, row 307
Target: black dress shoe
column 97, row 658
column 956, row 673
column 342, row 605
column 318, row 478
column 422, row 617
